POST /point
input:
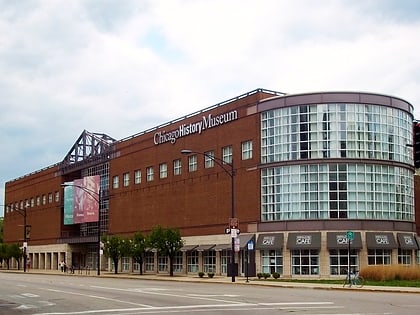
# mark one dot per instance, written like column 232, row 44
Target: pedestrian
column 28, row 264
column 62, row 266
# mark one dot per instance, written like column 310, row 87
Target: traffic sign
column 251, row 245
column 350, row 235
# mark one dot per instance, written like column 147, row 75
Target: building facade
column 316, row 183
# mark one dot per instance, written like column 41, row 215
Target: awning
column 202, row 248
column 407, row 241
column 304, row 240
column 338, row 240
column 380, row 240
column 244, row 239
column 187, row 248
column 270, row 241
column 220, row 247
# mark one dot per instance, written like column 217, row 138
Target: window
column 115, row 182
column 57, row 197
column 38, row 200
column 209, row 159
column 192, row 163
column 149, row 261
column 227, row 154
column 126, row 179
column 163, row 170
column 32, row 202
column 379, row 256
column 177, row 262
column 404, row 256
column 272, row 261
column 246, row 150
column 44, row 199
column 149, row 173
column 305, row 262
column 209, row 261
column 137, row 176
column 177, row 167
column 192, row 261
column 339, row 261
column 50, row 198
column 162, row 263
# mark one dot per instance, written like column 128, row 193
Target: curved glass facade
column 352, row 188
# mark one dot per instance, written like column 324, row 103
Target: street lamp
column 230, row 170
column 96, row 196
column 22, row 212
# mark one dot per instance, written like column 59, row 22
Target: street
column 61, row 294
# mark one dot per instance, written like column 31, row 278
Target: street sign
column 350, row 235
column 251, row 245
column 233, row 223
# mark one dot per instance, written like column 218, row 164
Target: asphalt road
column 56, row 294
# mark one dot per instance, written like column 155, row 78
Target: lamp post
column 96, row 196
column 22, row 212
column 230, row 170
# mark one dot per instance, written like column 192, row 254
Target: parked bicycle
column 354, row 279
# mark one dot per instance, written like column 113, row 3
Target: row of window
column 209, row 161
column 33, row 202
column 303, row 262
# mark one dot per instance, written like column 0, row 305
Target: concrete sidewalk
column 220, row 279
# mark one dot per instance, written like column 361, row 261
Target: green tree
column 115, row 248
column 167, row 242
column 138, row 249
column 16, row 252
column 1, row 230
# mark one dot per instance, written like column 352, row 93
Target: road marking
column 214, row 295
column 99, row 297
column 29, row 295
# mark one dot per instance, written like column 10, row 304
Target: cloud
column 120, row 67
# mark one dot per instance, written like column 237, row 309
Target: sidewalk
column 220, row 279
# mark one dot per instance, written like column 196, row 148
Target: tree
column 167, row 242
column 138, row 249
column 16, row 252
column 116, row 247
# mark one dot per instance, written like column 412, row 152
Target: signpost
column 350, row 238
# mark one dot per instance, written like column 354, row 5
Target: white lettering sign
column 342, row 239
column 268, row 240
column 408, row 240
column 303, row 239
column 198, row 127
column 382, row 239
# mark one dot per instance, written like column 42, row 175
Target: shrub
column 259, row 275
column 276, row 275
column 266, row 275
column 201, row 274
column 390, row 272
column 210, row 274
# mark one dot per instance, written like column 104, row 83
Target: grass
column 383, row 275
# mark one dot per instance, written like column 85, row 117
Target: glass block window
column 227, row 154
column 177, row 167
column 137, row 176
column 115, row 182
column 149, row 174
column 192, row 163
column 246, row 150
column 163, row 170
column 209, row 159
column 126, row 179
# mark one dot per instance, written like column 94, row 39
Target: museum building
column 300, row 184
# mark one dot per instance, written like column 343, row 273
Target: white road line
column 99, row 297
column 169, row 294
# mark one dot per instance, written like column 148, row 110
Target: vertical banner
column 78, row 201
column 91, row 200
column 68, row 204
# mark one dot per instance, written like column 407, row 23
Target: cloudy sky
column 120, row 67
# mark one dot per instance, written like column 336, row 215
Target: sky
column 120, row 67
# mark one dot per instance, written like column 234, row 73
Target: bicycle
column 354, row 279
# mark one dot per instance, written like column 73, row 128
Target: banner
column 81, row 200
